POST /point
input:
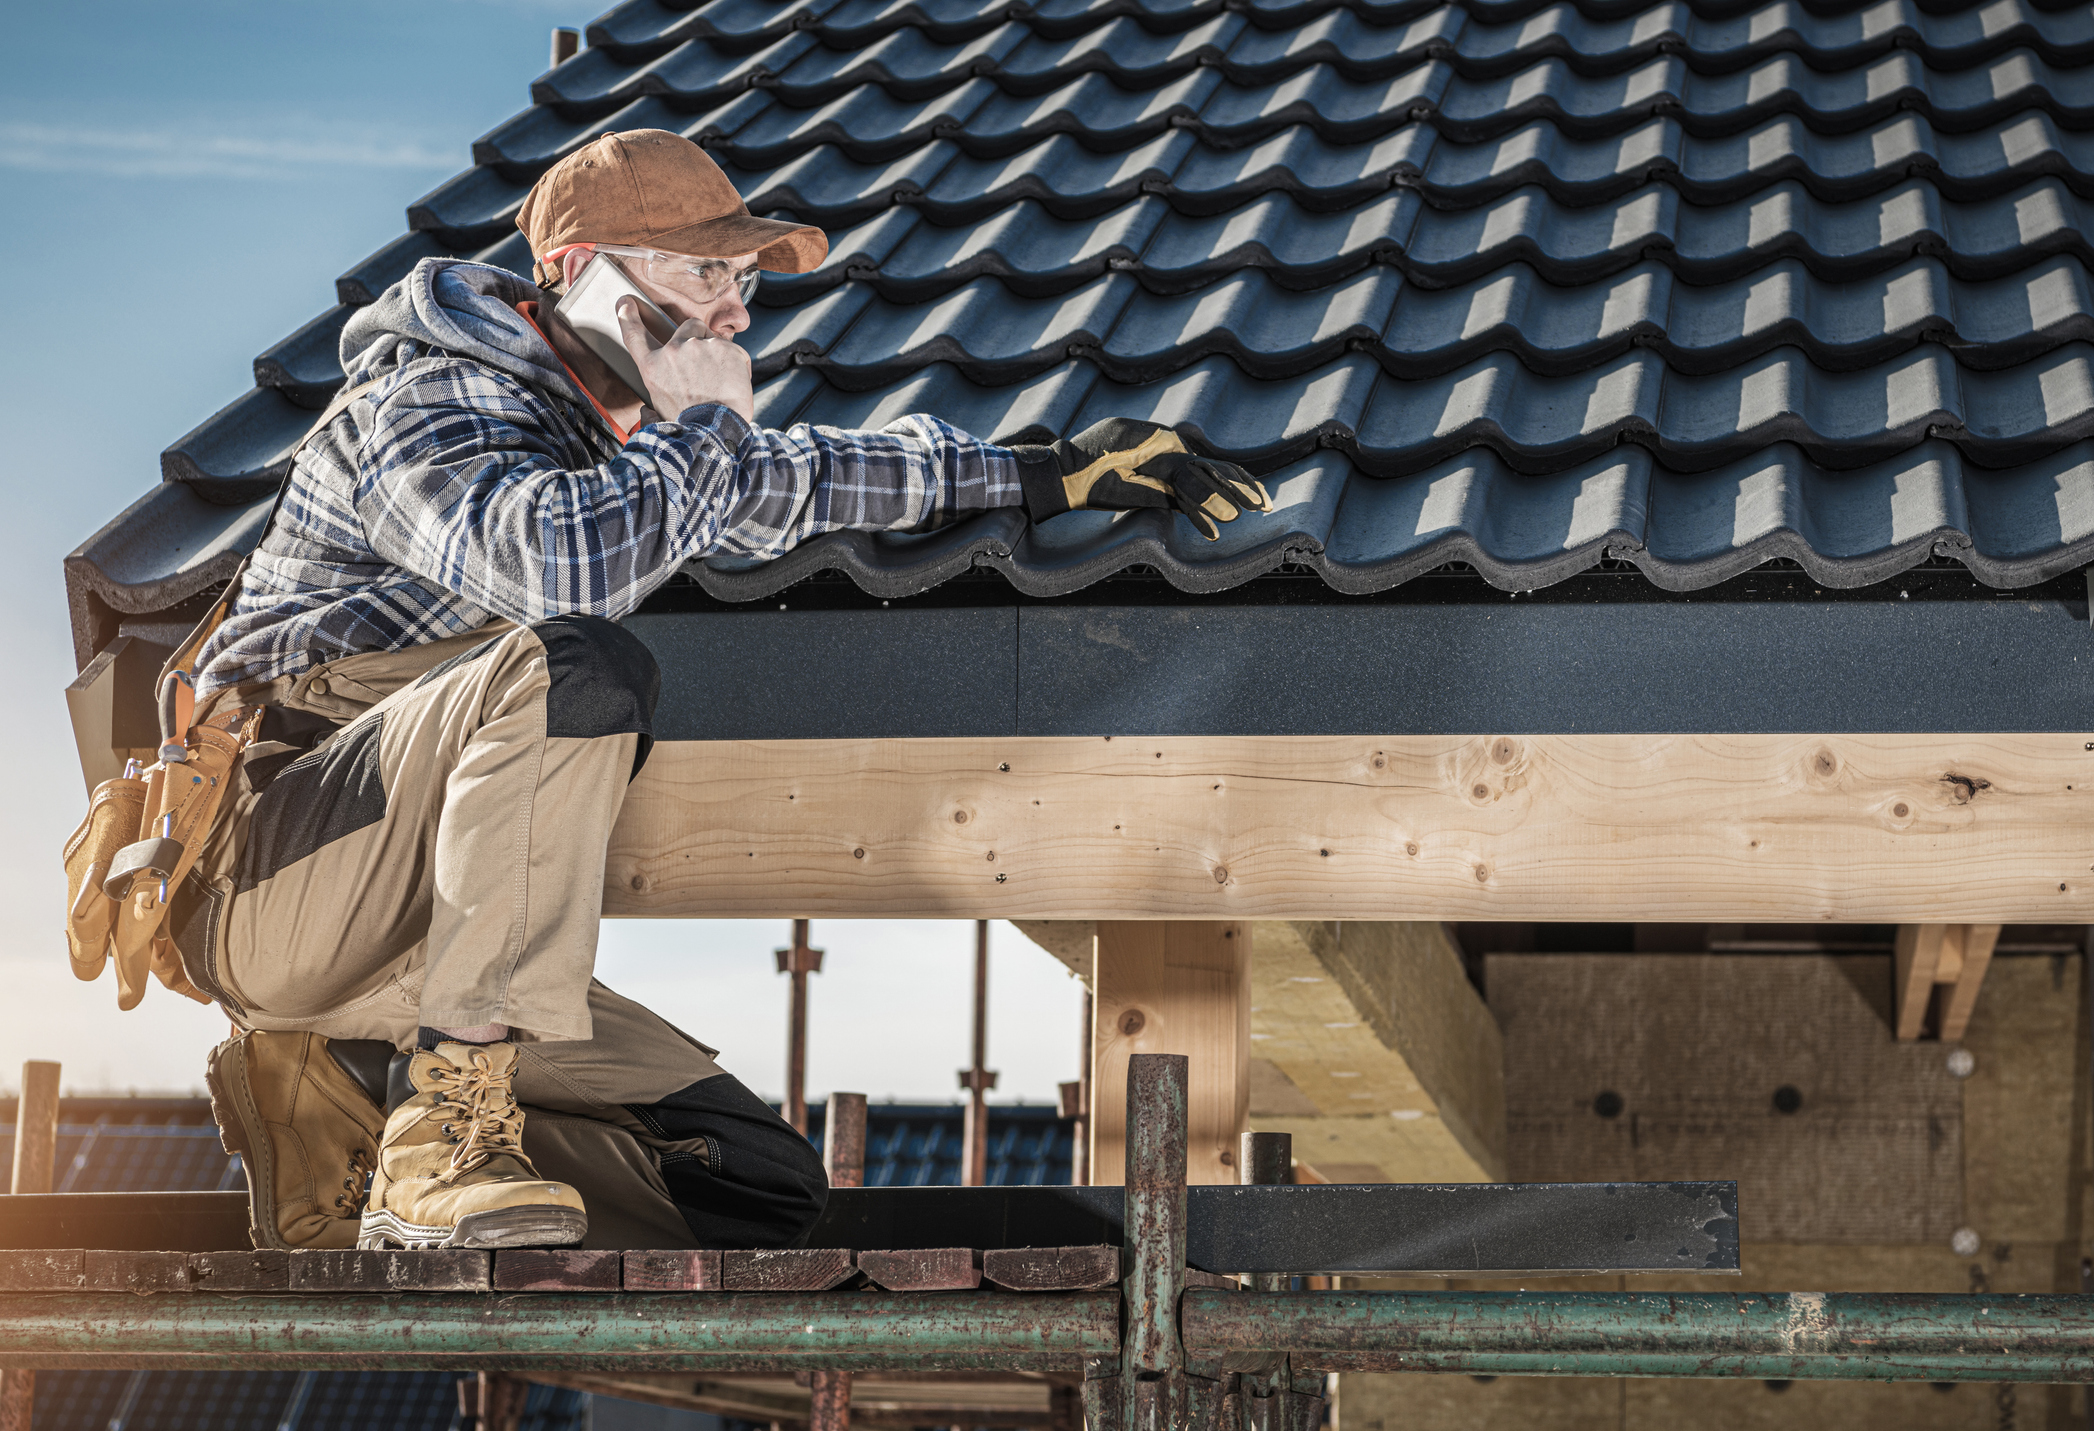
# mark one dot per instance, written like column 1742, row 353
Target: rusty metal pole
column 36, row 1162
column 798, row 961
column 843, row 1157
column 829, row 1400
column 1156, row 1394
column 843, row 1140
column 567, row 43
column 978, row 1080
column 1276, row 1396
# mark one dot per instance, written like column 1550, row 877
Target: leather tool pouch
column 139, row 840
column 145, row 829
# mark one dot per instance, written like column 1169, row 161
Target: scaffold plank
column 251, row 1271
column 673, row 1270
column 137, row 1271
column 924, row 1269
column 786, row 1269
column 1052, row 1269
column 437, row 1270
column 43, row 1270
column 555, row 1269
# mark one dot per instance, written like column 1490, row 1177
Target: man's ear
column 572, row 263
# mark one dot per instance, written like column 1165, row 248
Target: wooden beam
column 1940, row 968
column 1073, row 941
column 1960, row 997
column 1918, row 955
column 1688, row 829
column 1179, row 986
column 1372, row 1049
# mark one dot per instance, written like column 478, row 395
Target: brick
column 49, row 1270
column 547, row 1269
column 928, row 1269
column 137, row 1271
column 439, row 1270
column 1052, row 1269
column 240, row 1271
column 678, row 1270
column 786, row 1269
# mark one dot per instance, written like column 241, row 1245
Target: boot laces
column 356, row 1187
column 486, row 1104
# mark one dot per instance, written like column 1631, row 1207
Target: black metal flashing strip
column 1475, row 1228
column 1364, row 1228
column 1516, row 666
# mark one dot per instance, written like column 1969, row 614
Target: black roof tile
column 240, row 452
column 1685, row 531
column 306, row 367
column 641, row 29
column 695, row 74
column 1276, row 333
column 1535, row 423
column 380, row 271
column 1695, row 284
column 1600, row 37
column 165, row 547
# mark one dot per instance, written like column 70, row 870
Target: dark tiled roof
column 918, row 1144
column 1688, row 284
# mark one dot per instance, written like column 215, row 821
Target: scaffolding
column 1165, row 1349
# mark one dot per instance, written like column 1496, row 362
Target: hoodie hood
column 466, row 309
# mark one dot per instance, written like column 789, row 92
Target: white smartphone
column 590, row 307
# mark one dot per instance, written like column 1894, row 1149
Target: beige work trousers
column 437, row 861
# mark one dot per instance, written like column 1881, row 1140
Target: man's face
column 687, row 288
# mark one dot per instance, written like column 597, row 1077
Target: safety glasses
column 699, row 279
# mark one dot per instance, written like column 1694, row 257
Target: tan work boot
column 306, row 1133
column 451, row 1168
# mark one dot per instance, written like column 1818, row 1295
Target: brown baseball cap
column 653, row 189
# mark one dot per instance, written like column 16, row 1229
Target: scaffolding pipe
column 1776, row 1336
column 976, row 1078
column 626, row 1331
column 798, row 961
column 843, row 1157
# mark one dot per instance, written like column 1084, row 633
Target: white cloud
column 197, row 153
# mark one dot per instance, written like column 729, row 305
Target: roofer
column 410, row 851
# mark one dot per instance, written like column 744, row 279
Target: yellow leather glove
column 1122, row 465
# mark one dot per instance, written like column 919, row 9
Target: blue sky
column 182, row 184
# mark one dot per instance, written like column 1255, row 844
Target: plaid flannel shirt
column 454, row 492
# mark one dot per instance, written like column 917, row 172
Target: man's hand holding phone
column 692, row 367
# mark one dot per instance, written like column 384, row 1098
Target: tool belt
column 144, row 830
